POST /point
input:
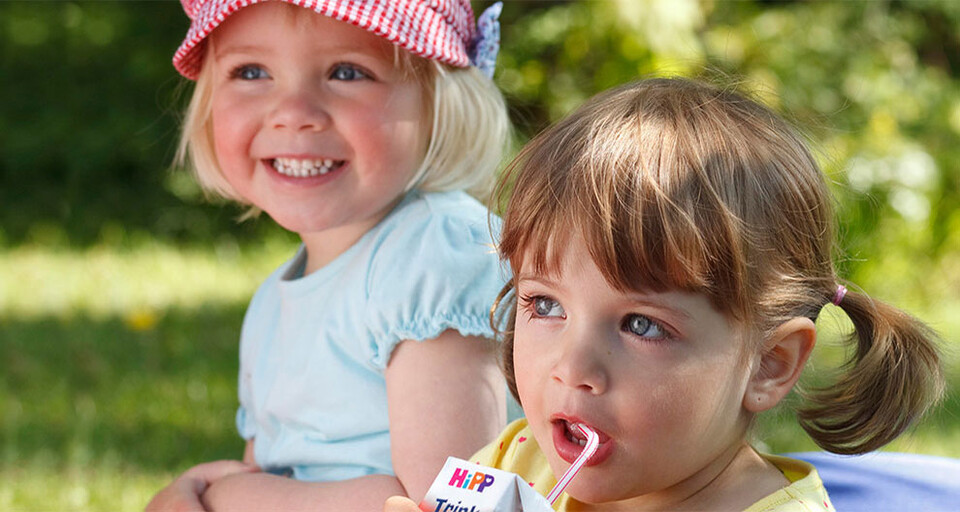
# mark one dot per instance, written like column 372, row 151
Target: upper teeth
column 303, row 168
column 573, row 433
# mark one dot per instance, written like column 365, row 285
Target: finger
column 400, row 504
column 212, row 471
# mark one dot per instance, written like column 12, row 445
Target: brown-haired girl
column 671, row 243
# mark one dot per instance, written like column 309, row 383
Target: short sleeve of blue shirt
column 314, row 348
column 434, row 269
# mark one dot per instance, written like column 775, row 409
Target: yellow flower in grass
column 141, row 319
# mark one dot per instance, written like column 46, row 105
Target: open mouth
column 573, row 434
column 568, row 442
column 305, row 168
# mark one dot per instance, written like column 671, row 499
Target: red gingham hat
column 441, row 30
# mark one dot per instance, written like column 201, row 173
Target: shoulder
column 454, row 201
column 804, row 494
column 432, row 267
column 452, row 218
column 445, row 237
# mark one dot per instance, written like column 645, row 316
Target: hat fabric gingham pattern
column 441, row 30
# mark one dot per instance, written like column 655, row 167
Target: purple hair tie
column 841, row 292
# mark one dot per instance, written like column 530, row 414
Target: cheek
column 231, row 153
column 702, row 402
column 521, row 347
column 410, row 124
column 231, row 113
column 223, row 129
column 528, row 364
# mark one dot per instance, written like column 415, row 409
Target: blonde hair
column 676, row 184
column 470, row 130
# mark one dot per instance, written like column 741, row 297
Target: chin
column 600, row 488
column 300, row 224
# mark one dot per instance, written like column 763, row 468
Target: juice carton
column 463, row 486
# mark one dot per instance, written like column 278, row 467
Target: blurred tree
column 874, row 85
column 88, row 122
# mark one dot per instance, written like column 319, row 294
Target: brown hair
column 673, row 183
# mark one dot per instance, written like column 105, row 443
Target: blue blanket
column 882, row 481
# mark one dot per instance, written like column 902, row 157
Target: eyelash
column 527, row 303
column 364, row 74
column 360, row 73
column 237, row 72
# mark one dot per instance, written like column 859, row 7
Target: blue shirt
column 313, row 349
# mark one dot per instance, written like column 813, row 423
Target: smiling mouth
column 305, row 168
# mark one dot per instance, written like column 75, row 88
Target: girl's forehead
column 546, row 255
column 556, row 258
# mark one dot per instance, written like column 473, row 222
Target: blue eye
column 347, row 73
column 249, row 72
column 547, row 307
column 644, row 327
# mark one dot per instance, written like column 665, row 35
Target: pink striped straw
column 593, row 442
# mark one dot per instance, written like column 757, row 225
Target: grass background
column 120, row 361
column 120, row 368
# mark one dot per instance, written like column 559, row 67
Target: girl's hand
column 400, row 504
column 183, row 494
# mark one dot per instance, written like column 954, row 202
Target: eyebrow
column 632, row 297
column 539, row 278
column 242, row 49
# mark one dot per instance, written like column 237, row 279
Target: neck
column 734, row 480
column 325, row 246
column 744, row 480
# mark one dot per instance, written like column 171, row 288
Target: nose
column 582, row 362
column 298, row 110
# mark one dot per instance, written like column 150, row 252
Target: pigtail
column 891, row 380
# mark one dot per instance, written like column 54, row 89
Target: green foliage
column 885, row 113
column 99, row 413
column 89, row 126
column 874, row 84
column 120, row 368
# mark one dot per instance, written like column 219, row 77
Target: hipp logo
column 465, row 480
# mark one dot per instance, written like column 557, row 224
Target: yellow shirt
column 516, row 450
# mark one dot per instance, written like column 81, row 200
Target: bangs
column 624, row 178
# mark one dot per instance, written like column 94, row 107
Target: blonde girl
column 671, row 243
column 363, row 127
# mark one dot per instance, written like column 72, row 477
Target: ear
column 781, row 360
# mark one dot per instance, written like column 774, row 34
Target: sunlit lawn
column 119, row 368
